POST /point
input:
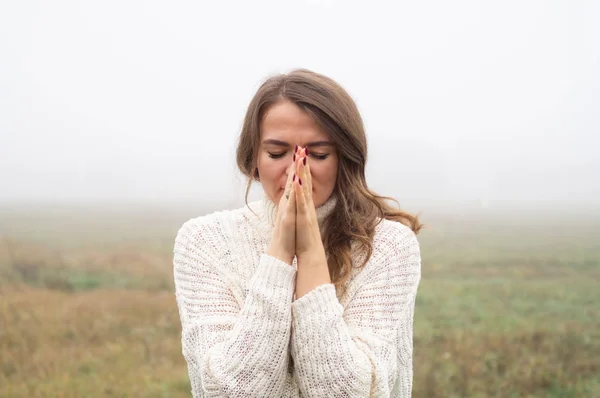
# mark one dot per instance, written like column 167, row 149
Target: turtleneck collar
column 270, row 209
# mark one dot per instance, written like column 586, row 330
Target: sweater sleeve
column 364, row 350
column 232, row 350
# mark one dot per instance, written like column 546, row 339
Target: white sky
column 145, row 99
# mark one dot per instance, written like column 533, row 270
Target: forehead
column 285, row 121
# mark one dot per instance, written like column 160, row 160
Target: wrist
column 280, row 255
column 315, row 258
column 313, row 271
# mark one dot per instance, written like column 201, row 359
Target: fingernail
column 306, row 151
column 304, row 161
column 294, row 156
column 299, row 180
column 296, row 148
column 294, row 179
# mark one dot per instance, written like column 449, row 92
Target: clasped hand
column 296, row 231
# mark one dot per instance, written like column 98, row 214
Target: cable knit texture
column 245, row 335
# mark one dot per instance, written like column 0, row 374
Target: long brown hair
column 358, row 209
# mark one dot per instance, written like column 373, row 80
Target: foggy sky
column 143, row 100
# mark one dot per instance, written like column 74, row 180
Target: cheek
column 270, row 170
column 324, row 175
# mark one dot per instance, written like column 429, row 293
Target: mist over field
column 144, row 101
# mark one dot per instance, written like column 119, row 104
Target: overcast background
column 143, row 100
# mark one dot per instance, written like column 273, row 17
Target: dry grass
column 102, row 342
column 501, row 311
column 541, row 362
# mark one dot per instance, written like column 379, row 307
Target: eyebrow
column 285, row 144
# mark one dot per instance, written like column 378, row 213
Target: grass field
column 509, row 303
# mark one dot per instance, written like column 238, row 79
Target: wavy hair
column 358, row 209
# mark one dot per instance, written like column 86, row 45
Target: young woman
column 309, row 291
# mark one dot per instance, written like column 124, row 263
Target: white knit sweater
column 244, row 335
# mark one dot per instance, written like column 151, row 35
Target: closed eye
column 276, row 155
column 313, row 155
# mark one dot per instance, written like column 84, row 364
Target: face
column 284, row 126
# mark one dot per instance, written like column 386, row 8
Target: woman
column 309, row 291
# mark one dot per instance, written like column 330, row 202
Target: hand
column 312, row 260
column 308, row 236
column 283, row 239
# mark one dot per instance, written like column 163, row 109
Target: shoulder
column 392, row 235
column 209, row 234
column 395, row 261
column 396, row 250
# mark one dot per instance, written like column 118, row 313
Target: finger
column 300, row 197
column 291, row 203
column 298, row 163
column 306, row 179
column 308, row 174
column 288, row 185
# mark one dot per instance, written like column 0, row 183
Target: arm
column 366, row 349
column 231, row 351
